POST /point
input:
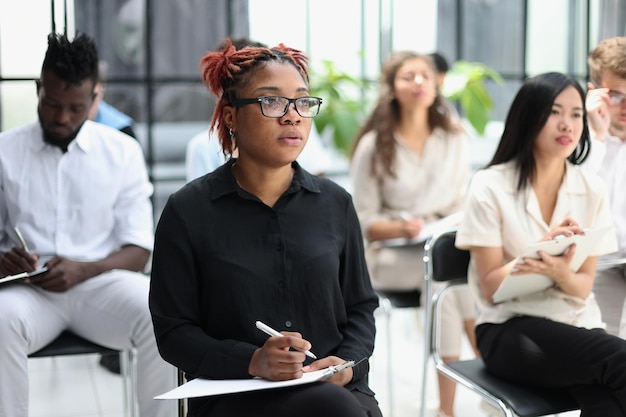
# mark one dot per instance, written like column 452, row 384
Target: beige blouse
column 430, row 186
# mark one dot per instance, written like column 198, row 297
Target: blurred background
column 152, row 50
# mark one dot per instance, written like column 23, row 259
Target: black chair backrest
column 402, row 298
column 449, row 263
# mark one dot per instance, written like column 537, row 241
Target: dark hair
column 386, row 113
column 224, row 72
column 72, row 61
column 527, row 116
column 440, row 62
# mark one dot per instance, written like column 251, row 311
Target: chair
column 390, row 299
column 68, row 343
column 448, row 265
column 182, row 402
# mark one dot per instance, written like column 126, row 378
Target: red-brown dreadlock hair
column 227, row 70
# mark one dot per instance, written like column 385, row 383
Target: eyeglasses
column 617, row 98
column 277, row 106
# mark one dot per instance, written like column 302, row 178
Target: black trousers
column 319, row 399
column 540, row 352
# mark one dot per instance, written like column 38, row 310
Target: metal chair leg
column 182, row 402
column 387, row 309
column 128, row 368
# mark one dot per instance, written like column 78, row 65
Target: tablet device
column 518, row 285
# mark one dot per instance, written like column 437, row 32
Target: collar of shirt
column 222, row 181
column 572, row 182
column 81, row 141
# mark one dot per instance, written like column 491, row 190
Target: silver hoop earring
column 232, row 134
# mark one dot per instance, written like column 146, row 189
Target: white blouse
column 497, row 215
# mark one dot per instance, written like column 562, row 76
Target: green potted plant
column 344, row 104
column 465, row 84
column 346, row 99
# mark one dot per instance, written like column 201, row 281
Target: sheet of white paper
column 201, row 387
column 428, row 231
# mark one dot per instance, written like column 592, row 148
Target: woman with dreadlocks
column 261, row 239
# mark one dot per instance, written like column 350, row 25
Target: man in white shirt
column 606, row 115
column 79, row 193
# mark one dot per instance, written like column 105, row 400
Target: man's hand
column 598, row 116
column 16, row 261
column 62, row 275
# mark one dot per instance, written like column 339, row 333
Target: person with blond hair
column 606, row 113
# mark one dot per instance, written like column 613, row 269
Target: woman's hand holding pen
column 410, row 226
column 556, row 267
column 280, row 358
column 340, row 378
column 568, row 227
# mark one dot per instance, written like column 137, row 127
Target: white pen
column 271, row 332
column 21, row 239
column 405, row 215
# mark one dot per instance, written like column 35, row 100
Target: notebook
column 518, row 285
column 428, row 231
column 23, row 275
column 201, row 387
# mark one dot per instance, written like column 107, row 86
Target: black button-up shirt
column 223, row 260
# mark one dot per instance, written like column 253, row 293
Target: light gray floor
column 78, row 386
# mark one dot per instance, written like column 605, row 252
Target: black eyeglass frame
column 239, row 102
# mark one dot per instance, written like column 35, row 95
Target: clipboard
column 23, row 275
column 201, row 387
column 518, row 285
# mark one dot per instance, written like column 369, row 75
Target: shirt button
column 287, row 323
column 279, row 247
column 281, row 284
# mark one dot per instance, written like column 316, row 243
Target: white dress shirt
column 82, row 204
column 608, row 159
